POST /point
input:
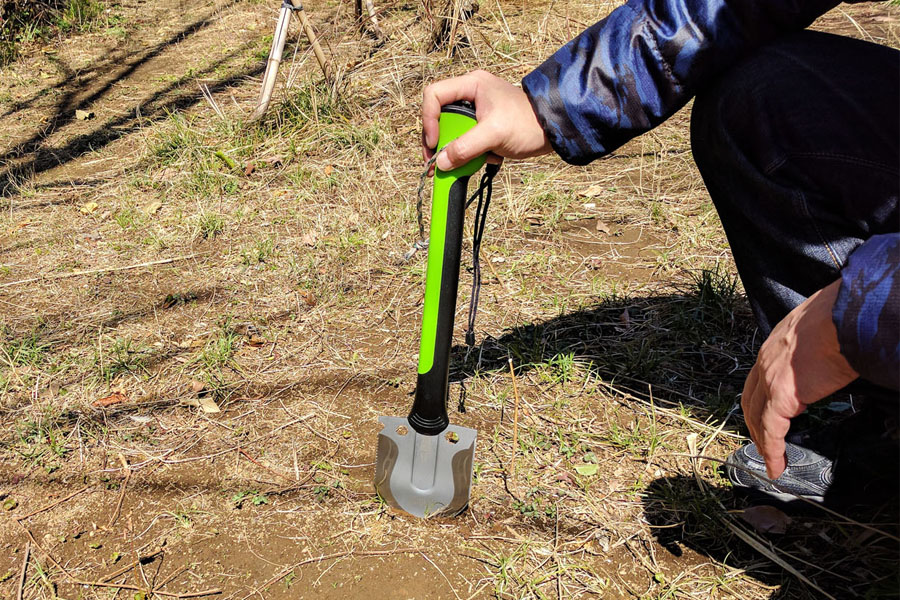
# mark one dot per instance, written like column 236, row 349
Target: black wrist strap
column 483, row 196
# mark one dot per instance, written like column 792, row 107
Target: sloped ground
column 167, row 258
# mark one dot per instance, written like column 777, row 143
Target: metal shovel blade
column 424, row 475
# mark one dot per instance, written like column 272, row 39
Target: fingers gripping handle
column 429, row 411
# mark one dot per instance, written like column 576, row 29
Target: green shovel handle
column 448, row 203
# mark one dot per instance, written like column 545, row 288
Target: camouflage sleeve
column 867, row 310
column 635, row 68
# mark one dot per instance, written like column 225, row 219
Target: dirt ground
column 202, row 319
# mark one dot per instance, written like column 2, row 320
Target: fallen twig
column 172, row 577
column 775, row 484
column 21, row 591
column 284, row 573
column 744, row 535
column 49, row 506
column 431, row 562
column 132, row 565
column 262, row 466
column 121, row 586
column 55, row 276
column 515, row 443
column 115, row 514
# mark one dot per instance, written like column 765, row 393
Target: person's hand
column 799, row 364
column 507, row 125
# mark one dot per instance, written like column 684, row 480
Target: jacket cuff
column 866, row 312
column 551, row 114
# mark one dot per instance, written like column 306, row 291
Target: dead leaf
column 153, row 207
column 602, row 227
column 249, row 169
column 592, row 192
column 567, row 477
column 625, row 318
column 307, row 297
column 256, row 341
column 274, row 161
column 88, row 208
column 766, row 519
column 208, row 405
column 112, row 399
column 83, row 115
column 309, row 238
column 328, row 170
column 197, row 386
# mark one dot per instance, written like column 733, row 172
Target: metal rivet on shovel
column 423, row 464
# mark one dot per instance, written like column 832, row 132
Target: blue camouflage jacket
column 631, row 71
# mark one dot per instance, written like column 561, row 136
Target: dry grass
column 296, row 317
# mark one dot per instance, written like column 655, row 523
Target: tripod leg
column 313, row 41
column 268, row 83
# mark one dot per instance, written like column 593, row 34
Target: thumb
column 472, row 144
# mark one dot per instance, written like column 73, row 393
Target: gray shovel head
column 424, row 475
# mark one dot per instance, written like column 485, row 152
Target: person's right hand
column 507, row 125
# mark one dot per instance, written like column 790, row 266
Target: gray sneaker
column 808, row 474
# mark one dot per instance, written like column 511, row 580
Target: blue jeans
column 799, row 147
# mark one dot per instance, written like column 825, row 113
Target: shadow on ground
column 32, row 156
column 694, row 345
column 845, row 560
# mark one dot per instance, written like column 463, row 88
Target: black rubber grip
column 429, row 411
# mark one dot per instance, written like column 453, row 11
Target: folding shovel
column 424, row 464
